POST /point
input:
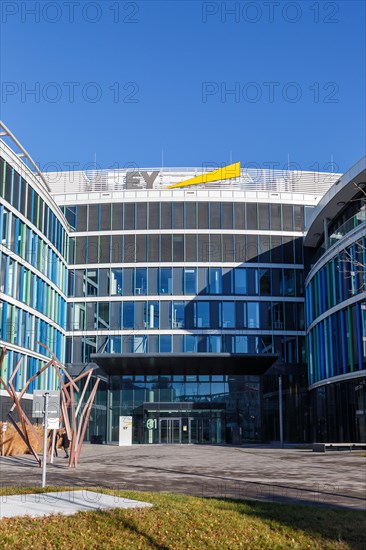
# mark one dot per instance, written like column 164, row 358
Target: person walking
column 65, row 443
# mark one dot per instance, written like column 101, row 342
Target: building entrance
column 170, row 430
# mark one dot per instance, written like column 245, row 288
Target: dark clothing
column 65, row 444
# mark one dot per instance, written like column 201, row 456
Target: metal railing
column 117, row 180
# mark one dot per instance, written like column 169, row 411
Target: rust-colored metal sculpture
column 74, row 416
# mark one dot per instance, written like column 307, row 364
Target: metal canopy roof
column 115, row 364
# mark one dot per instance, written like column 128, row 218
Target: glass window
column 92, row 282
column 190, row 283
column 141, row 248
column 152, row 280
column 178, row 248
column 202, row 215
column 129, row 249
column 265, row 282
column 129, row 216
column 116, row 252
column 105, row 217
column 263, row 216
column 128, row 315
column 166, row 215
column 153, row 248
column 103, row 315
column 275, row 217
column 215, row 250
column 227, row 215
column 104, row 282
column 165, row 280
column 93, row 217
column 203, row 248
column 115, row 315
column 241, row 344
column 191, row 248
column 154, row 215
column 141, row 215
column 166, row 248
column 104, row 248
column 116, row 283
column 202, row 314
column 240, row 248
column 92, row 249
column 117, row 212
column 140, row 286
column 178, row 215
column 228, row 248
column 190, row 343
column 165, row 344
column 215, row 280
column 228, row 315
column 190, row 208
column 252, row 315
column 288, row 283
column 152, row 315
column 239, row 215
column 240, row 278
column 287, row 217
column 298, row 217
column 178, row 315
column 251, row 215
column 215, row 218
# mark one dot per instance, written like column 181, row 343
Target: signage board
column 53, row 404
column 125, row 430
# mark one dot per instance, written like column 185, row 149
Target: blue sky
column 152, row 76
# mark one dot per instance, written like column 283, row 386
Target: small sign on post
column 46, row 405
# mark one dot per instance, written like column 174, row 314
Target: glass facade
column 33, row 275
column 336, row 321
column 124, row 271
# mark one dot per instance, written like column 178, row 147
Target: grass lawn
column 184, row 522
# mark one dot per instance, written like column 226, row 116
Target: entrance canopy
column 115, row 364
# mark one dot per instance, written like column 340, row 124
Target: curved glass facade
column 33, row 266
column 336, row 319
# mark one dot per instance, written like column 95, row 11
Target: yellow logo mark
column 225, row 173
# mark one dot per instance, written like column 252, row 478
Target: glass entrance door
column 170, row 430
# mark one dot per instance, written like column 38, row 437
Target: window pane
column 240, row 278
column 165, row 281
column 105, row 217
column 251, row 211
column 178, row 215
column 140, row 248
column 141, row 215
column 140, row 286
column 128, row 314
column 129, row 215
column 116, row 282
column 153, row 248
column 166, row 248
column 215, row 280
column 154, row 215
column 129, row 249
column 190, row 281
column 228, row 315
column 93, row 217
column 166, row 215
column 191, row 248
column 202, row 215
column 202, row 316
column 117, row 222
column 227, row 215
column 215, row 215
column 178, row 248
column 263, row 216
column 275, row 217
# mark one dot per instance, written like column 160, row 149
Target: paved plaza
column 336, row 479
